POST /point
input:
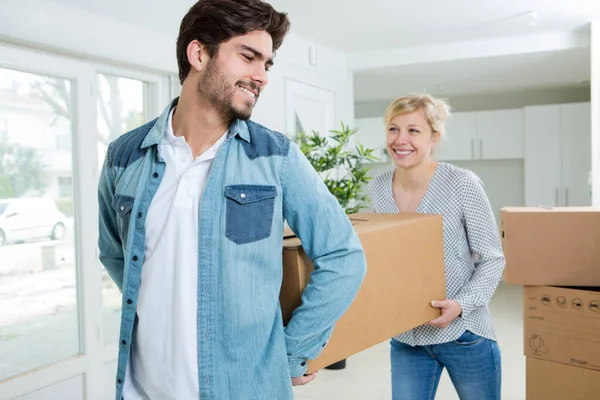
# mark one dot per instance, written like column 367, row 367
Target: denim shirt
column 259, row 179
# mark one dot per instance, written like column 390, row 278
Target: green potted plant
column 341, row 164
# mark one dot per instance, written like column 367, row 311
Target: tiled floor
column 367, row 377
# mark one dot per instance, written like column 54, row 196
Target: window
column 65, row 186
column 38, row 287
column 59, row 317
column 63, row 142
column 3, row 131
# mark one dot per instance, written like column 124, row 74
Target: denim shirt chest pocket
column 123, row 205
column 249, row 212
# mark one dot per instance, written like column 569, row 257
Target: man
column 192, row 208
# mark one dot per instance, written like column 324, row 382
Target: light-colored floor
column 367, row 375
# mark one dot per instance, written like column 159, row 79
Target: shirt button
column 119, row 381
column 124, row 342
column 243, row 195
column 135, row 258
column 129, row 301
column 122, row 208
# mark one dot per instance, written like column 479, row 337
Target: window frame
column 90, row 364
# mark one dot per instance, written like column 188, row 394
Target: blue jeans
column 473, row 364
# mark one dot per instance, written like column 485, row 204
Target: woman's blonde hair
column 436, row 110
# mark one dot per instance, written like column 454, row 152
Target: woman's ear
column 435, row 137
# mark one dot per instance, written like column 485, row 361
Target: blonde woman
column 462, row 338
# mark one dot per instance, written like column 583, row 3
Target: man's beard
column 220, row 94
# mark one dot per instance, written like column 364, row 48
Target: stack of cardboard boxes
column 555, row 254
column 405, row 272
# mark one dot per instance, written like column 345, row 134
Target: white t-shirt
column 164, row 356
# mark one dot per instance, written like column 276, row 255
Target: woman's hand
column 449, row 309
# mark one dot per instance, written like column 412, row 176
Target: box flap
column 363, row 223
column 548, row 209
column 557, row 246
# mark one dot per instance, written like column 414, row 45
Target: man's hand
column 450, row 310
column 303, row 380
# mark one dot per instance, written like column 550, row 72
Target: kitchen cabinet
column 484, row 135
column 558, row 155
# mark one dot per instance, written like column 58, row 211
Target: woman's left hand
column 450, row 310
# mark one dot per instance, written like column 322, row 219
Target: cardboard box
column 405, row 272
column 551, row 381
column 551, row 246
column 563, row 325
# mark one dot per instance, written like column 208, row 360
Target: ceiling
column 513, row 73
column 359, row 26
column 351, row 26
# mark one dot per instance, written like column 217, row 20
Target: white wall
column 50, row 25
column 292, row 62
column 490, row 101
column 70, row 389
column 110, row 371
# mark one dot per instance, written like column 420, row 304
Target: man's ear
column 197, row 55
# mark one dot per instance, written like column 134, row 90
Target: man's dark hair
column 212, row 22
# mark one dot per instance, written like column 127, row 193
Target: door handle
column 472, row 148
column 556, row 198
column 480, row 148
column 567, row 197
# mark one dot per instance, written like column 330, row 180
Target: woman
column 462, row 338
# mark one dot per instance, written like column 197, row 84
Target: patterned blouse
column 472, row 248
